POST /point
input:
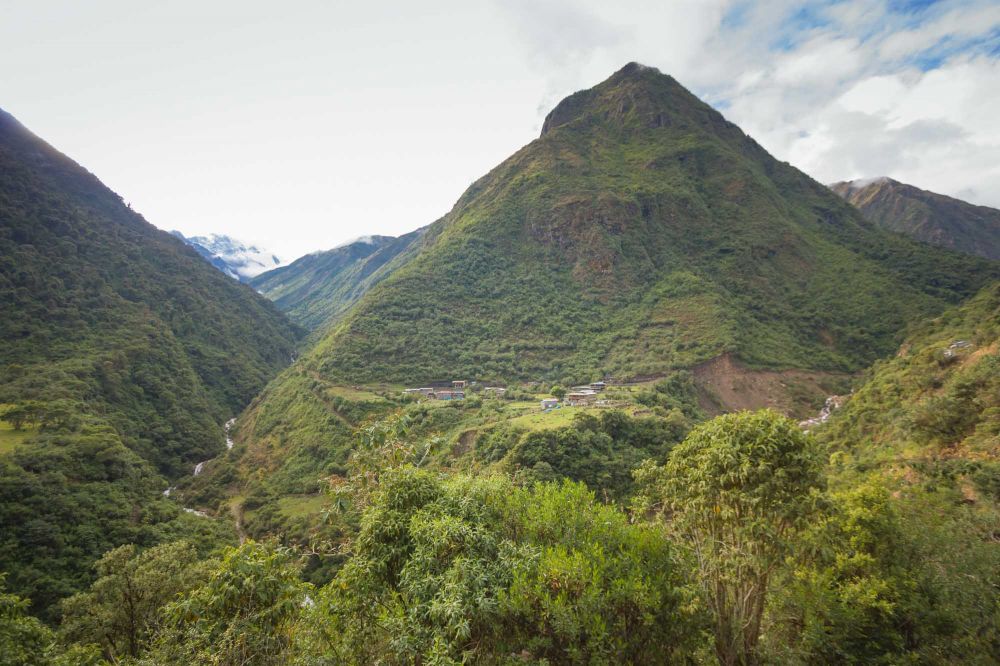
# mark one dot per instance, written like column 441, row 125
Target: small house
column 446, row 394
column 581, row 398
column 458, row 384
column 549, row 403
column 598, row 386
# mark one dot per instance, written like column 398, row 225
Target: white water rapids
column 201, row 466
column 832, row 403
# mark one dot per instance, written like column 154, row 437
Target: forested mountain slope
column 935, row 406
column 313, row 290
column 639, row 233
column 926, row 216
column 122, row 354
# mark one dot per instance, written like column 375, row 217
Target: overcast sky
column 299, row 125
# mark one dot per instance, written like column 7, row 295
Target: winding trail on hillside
column 236, row 511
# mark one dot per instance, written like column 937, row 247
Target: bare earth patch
column 725, row 385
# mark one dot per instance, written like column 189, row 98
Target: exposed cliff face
column 926, row 216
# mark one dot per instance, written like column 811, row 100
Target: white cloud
column 836, row 88
column 955, row 25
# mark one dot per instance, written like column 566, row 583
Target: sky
column 300, row 125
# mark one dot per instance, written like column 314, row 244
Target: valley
column 646, row 394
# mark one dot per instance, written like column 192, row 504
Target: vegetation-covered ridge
column 123, row 353
column 317, row 288
column 933, row 410
column 926, row 216
column 641, row 233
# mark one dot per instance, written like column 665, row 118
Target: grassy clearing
column 10, row 438
column 298, row 506
column 353, row 394
column 557, row 418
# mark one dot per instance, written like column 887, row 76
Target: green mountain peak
column 641, row 233
column 634, row 97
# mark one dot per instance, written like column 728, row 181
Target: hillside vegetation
column 932, row 412
column 641, row 233
column 926, row 216
column 123, row 353
column 317, row 288
column 663, row 520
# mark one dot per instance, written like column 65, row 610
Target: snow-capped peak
column 233, row 257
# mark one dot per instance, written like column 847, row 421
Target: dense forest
column 739, row 539
column 123, row 353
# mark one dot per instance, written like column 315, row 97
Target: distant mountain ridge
column 315, row 289
column 233, row 257
column 929, row 217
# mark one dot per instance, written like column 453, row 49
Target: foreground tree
column 244, row 613
column 25, row 641
column 463, row 570
column 737, row 491
column 892, row 574
column 121, row 610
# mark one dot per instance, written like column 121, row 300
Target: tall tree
column 121, row 610
column 243, row 613
column 737, row 490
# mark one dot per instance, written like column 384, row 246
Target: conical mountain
column 927, row 216
column 642, row 232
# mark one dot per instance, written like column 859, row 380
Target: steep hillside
column 640, row 233
column 934, row 408
column 122, row 354
column 926, row 216
column 234, row 258
column 316, row 288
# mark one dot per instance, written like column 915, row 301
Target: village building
column 581, row 398
column 496, row 390
column 549, row 403
column 458, row 384
column 446, row 394
column 598, row 386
